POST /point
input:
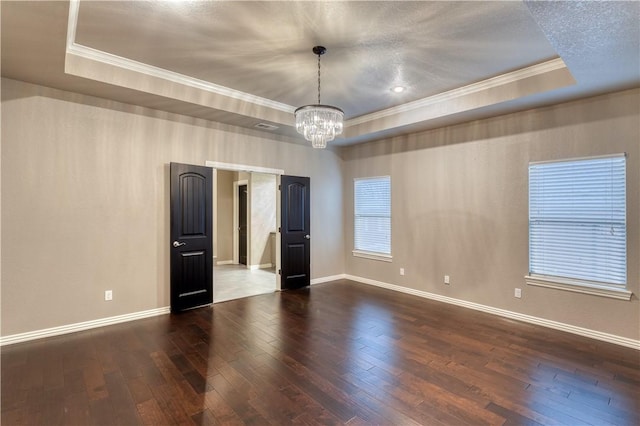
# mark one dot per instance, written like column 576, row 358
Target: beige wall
column 85, row 201
column 460, row 206
column 262, row 221
column 85, row 204
column 224, row 215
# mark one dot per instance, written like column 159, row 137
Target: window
column 372, row 224
column 577, row 225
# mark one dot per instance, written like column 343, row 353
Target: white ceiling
column 243, row 63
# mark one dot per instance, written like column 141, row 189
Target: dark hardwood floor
column 339, row 353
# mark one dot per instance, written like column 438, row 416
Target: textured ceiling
column 264, row 48
column 242, row 63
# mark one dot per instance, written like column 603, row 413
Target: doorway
column 242, row 224
column 246, row 229
column 285, row 209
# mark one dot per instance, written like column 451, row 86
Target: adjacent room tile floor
column 236, row 281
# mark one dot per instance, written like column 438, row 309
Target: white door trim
column 242, row 168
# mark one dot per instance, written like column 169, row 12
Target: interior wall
column 224, row 216
column 85, row 201
column 460, row 206
column 262, row 218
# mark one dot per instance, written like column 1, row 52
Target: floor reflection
column 371, row 341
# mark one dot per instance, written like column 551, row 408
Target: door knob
column 307, row 237
column 178, row 243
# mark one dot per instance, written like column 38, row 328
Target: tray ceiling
column 244, row 63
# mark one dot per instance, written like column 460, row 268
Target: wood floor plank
column 76, row 409
column 74, row 382
column 139, row 390
column 328, row 397
column 151, row 414
column 549, row 403
column 191, row 402
column 171, row 405
column 374, row 412
column 205, row 418
column 220, row 409
column 337, row 353
column 94, row 380
column 512, row 418
column 101, row 412
column 124, row 407
column 379, row 390
column 52, row 372
column 238, row 398
column 17, row 416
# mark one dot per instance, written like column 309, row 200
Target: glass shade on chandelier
column 319, row 124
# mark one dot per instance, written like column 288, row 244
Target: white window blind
column 372, row 205
column 577, row 220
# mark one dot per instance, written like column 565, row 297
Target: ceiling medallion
column 319, row 123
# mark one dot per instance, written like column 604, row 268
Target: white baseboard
column 598, row 335
column 263, row 266
column 224, row 262
column 72, row 328
column 327, row 279
column 80, row 326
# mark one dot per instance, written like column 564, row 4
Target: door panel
column 191, row 236
column 295, row 232
column 296, row 218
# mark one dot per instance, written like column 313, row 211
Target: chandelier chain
column 319, row 80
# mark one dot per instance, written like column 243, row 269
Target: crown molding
column 490, row 83
column 174, row 77
column 153, row 71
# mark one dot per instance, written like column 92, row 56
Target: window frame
column 366, row 254
column 578, row 285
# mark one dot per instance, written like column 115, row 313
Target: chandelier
column 319, row 123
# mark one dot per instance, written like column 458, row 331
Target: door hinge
column 279, row 229
column 279, row 187
column 279, row 271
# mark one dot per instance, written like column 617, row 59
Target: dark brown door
column 242, row 224
column 191, row 236
column 295, row 215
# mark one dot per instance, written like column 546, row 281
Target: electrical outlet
column 401, row 271
column 108, row 295
column 517, row 293
column 446, row 279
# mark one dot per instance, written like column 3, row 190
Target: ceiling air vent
column 265, row 126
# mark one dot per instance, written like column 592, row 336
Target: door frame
column 234, row 167
column 236, row 224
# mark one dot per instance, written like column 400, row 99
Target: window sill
column 373, row 256
column 578, row 286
